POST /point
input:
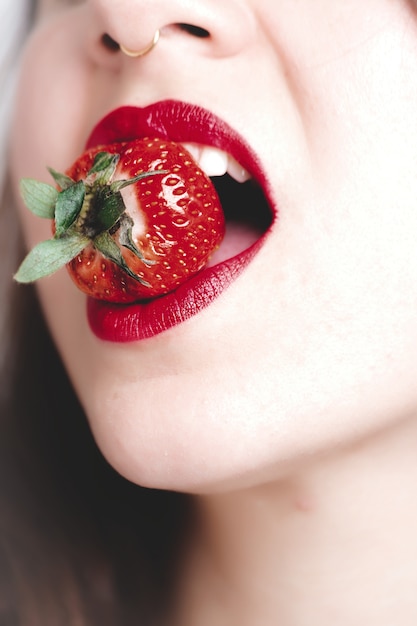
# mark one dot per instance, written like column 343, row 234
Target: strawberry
column 131, row 220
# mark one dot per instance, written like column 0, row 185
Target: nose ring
column 141, row 53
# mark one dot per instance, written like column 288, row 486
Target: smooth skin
column 289, row 405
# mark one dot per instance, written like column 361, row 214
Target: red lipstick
column 133, row 322
column 181, row 122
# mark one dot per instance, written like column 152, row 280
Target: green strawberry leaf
column 118, row 185
column 126, row 239
column 104, row 164
column 68, row 207
column 109, row 249
column 62, row 180
column 40, row 198
column 49, row 256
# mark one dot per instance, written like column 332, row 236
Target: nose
column 211, row 27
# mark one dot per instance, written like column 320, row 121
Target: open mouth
column 247, row 212
column 223, row 155
column 243, row 190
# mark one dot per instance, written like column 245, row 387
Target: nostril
column 109, row 43
column 196, row 31
column 113, row 46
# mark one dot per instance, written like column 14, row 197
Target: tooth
column 212, row 161
column 236, row 171
column 194, row 149
column 215, row 162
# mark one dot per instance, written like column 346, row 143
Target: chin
column 193, row 447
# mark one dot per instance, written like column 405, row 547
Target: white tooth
column 236, row 171
column 213, row 161
column 194, row 149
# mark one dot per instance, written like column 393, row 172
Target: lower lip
column 139, row 321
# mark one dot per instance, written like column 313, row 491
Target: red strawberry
column 132, row 221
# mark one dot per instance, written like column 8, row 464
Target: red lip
column 177, row 121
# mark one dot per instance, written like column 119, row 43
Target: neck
column 335, row 542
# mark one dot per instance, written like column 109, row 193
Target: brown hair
column 78, row 543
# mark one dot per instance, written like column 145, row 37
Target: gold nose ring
column 141, row 53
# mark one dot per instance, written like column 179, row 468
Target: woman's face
column 314, row 344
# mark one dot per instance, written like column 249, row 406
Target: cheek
column 48, row 127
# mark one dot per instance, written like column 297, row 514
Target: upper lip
column 177, row 121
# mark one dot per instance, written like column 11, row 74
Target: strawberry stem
column 102, row 212
column 86, row 211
